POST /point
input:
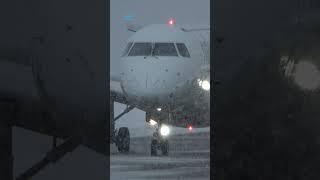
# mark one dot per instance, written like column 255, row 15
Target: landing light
column 153, row 122
column 159, row 109
column 204, row 84
column 307, row 75
column 164, row 130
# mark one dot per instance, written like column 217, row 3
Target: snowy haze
column 146, row 12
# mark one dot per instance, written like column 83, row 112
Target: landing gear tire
column 123, row 140
column 164, row 147
column 154, row 147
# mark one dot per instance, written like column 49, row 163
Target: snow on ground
column 189, row 158
column 125, row 167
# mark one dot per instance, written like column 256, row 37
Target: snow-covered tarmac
column 189, row 152
column 189, row 158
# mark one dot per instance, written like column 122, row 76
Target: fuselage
column 58, row 68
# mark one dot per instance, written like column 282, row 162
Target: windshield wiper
column 152, row 53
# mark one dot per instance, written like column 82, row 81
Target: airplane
column 53, row 77
column 164, row 71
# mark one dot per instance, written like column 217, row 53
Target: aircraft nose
column 150, row 80
column 145, row 83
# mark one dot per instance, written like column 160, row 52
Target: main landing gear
column 123, row 140
column 120, row 137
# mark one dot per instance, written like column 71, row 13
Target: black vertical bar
column 6, row 156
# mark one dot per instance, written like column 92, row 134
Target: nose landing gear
column 159, row 142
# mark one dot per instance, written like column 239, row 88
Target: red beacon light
column 171, row 22
column 190, row 128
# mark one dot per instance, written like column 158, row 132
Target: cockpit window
column 141, row 49
column 164, row 49
column 127, row 49
column 183, row 50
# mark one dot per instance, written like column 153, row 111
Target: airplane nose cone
column 147, row 83
column 150, row 79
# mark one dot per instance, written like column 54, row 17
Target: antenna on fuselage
column 133, row 27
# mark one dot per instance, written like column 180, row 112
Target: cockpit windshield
column 164, row 49
column 141, row 49
column 156, row 49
